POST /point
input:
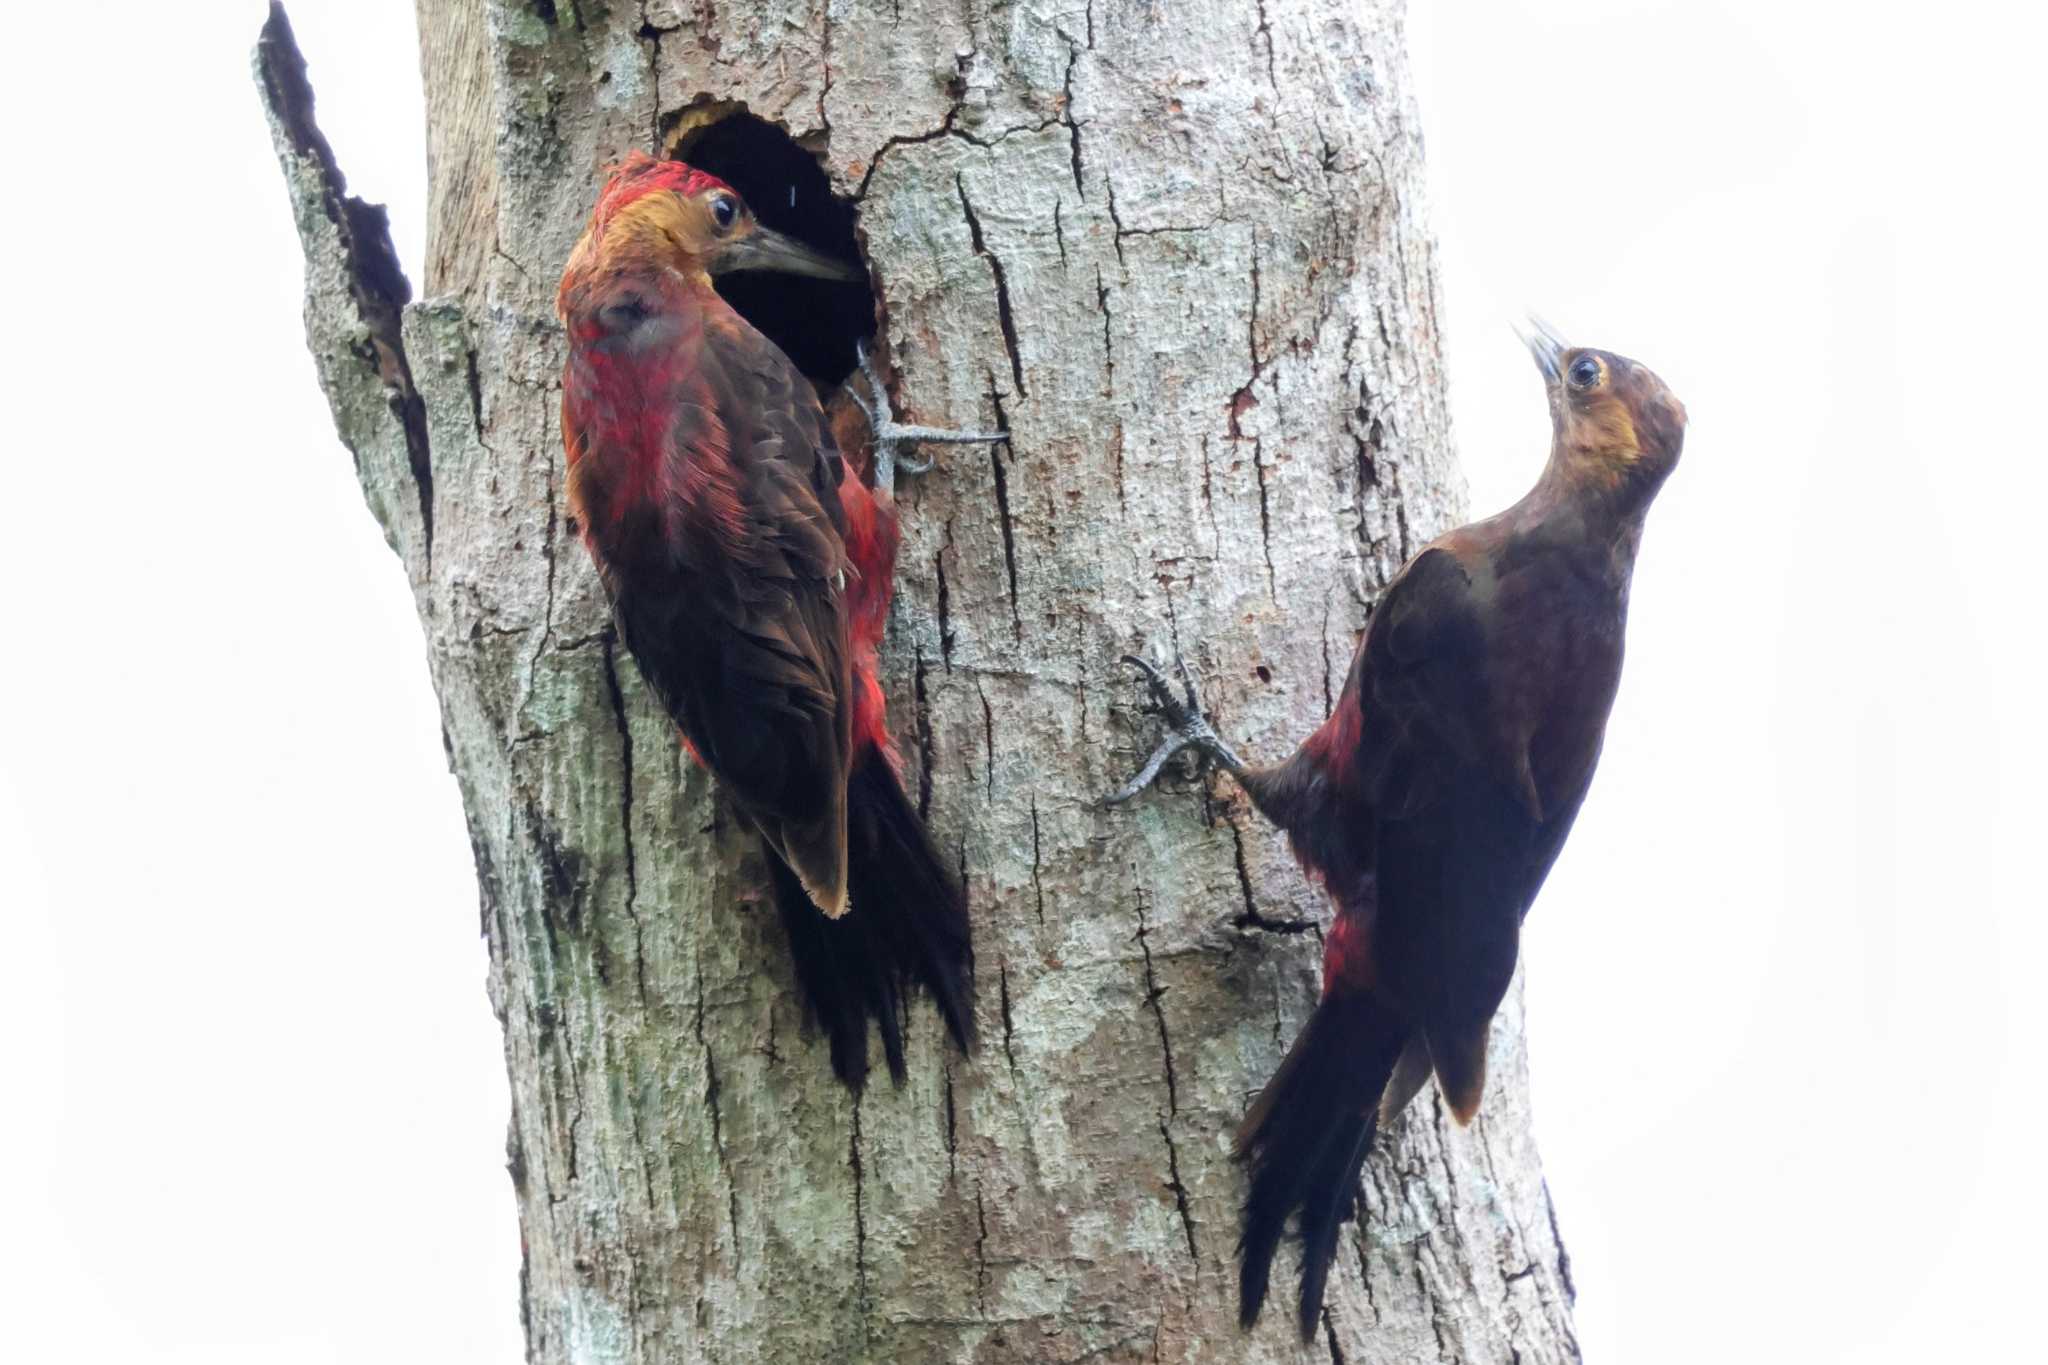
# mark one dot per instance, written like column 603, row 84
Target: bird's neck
column 1580, row 500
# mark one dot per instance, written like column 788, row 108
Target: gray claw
column 1190, row 730
column 890, row 435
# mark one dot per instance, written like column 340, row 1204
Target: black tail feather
column 906, row 921
column 1332, row 1197
column 1306, row 1138
column 844, row 973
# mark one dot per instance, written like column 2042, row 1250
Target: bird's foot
column 1190, row 730
column 891, row 436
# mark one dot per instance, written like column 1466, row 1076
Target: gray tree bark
column 1181, row 252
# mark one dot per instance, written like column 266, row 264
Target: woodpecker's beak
column 766, row 249
column 1546, row 346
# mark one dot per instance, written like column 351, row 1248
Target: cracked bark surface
column 1183, row 258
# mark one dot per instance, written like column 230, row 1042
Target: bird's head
column 1613, row 423
column 666, row 214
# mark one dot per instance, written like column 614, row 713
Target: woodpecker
column 1433, row 801
column 749, row 566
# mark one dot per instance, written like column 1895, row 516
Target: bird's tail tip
column 897, row 876
column 843, row 976
column 904, row 921
column 1305, row 1140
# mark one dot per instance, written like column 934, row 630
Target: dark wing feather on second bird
column 1433, row 801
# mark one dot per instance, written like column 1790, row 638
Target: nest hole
column 816, row 322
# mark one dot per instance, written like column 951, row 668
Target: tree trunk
column 1183, row 257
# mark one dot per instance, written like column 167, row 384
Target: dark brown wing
column 1452, row 839
column 1424, row 683
column 1490, row 669
column 730, row 594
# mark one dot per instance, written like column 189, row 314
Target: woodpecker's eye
column 725, row 211
column 1585, row 372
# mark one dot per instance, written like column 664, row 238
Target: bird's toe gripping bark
column 891, row 436
column 1190, row 730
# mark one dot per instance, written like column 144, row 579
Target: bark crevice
column 1006, row 317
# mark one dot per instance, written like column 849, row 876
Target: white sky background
column 1782, row 984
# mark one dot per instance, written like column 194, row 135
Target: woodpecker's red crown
column 637, row 175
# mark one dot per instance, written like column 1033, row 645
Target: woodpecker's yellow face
column 681, row 229
column 1612, row 418
column 668, row 214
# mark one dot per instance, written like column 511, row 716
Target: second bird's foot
column 891, row 436
column 1190, row 730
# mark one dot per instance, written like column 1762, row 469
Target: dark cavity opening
column 815, row 322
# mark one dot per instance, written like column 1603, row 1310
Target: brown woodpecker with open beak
column 749, row 568
column 1433, row 801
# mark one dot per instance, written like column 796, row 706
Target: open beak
column 766, row 249
column 1546, row 346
